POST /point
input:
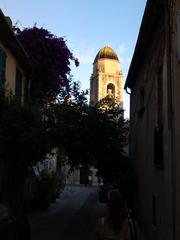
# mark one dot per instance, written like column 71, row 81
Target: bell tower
column 107, row 77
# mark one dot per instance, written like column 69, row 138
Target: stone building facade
column 153, row 79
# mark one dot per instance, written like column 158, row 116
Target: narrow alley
column 71, row 217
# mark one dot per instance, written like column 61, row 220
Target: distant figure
column 24, row 230
column 114, row 226
column 4, row 215
column 90, row 180
column 100, row 181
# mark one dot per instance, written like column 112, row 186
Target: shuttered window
column 141, row 101
column 158, row 131
column 18, row 89
column 2, row 68
column 158, row 147
column 154, row 210
column 178, row 36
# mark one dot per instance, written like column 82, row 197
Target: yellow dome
column 106, row 52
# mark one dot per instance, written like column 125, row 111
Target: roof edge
column 149, row 23
column 13, row 42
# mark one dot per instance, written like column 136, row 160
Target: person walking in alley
column 4, row 215
column 115, row 225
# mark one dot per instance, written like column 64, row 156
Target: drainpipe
column 170, row 118
column 127, row 91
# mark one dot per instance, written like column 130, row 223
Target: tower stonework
column 107, row 77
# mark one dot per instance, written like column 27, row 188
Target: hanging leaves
column 49, row 62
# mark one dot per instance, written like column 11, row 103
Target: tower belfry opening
column 106, row 79
column 110, row 89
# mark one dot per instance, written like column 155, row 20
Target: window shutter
column 2, row 68
column 18, row 89
column 178, row 36
column 158, row 147
column 1, row 52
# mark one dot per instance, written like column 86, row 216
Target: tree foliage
column 23, row 134
column 49, row 62
column 89, row 135
column 24, row 140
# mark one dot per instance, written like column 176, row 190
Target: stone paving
column 71, row 217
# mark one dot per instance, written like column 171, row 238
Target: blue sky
column 87, row 25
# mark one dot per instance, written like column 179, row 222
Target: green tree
column 23, row 140
column 89, row 135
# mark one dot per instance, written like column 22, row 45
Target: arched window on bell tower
column 111, row 90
